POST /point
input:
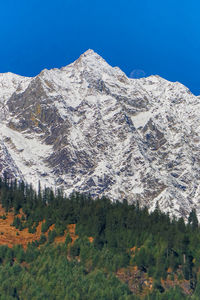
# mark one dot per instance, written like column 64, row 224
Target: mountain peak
column 90, row 57
column 90, row 53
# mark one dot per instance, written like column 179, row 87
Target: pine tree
column 192, row 219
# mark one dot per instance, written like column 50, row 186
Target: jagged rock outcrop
column 88, row 127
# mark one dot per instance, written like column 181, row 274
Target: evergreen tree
column 192, row 219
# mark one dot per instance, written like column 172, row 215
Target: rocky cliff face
column 89, row 128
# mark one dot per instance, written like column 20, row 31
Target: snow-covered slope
column 87, row 127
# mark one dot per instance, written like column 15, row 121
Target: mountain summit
column 88, row 127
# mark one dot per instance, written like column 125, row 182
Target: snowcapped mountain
column 88, row 127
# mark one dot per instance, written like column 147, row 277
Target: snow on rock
column 90, row 128
column 27, row 155
column 10, row 83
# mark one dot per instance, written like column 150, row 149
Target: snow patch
column 28, row 155
column 141, row 119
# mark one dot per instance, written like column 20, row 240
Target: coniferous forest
column 121, row 251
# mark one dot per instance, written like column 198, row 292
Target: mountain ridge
column 90, row 128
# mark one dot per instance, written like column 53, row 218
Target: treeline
column 161, row 244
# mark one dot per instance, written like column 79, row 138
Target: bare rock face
column 89, row 128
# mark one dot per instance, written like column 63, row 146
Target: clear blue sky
column 158, row 37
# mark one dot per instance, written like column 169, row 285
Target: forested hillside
column 118, row 251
